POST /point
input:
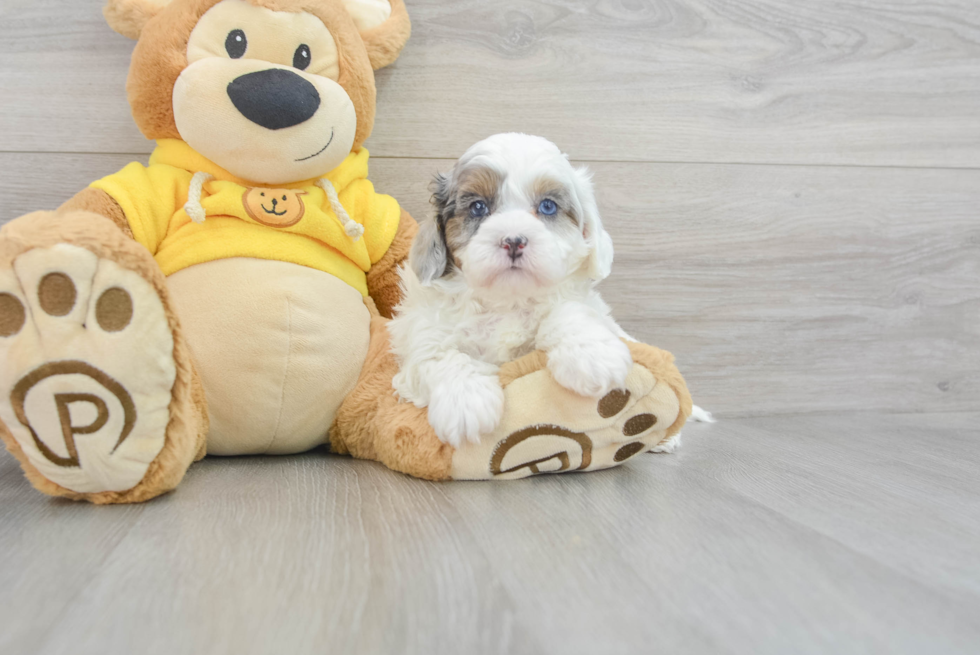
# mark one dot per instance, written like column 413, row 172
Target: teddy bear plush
column 231, row 297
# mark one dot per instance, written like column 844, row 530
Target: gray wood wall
column 793, row 188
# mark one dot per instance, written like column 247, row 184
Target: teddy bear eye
column 236, row 44
column 302, row 57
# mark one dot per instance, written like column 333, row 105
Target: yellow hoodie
column 291, row 223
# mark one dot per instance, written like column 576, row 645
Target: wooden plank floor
column 794, row 192
column 795, row 534
column 888, row 82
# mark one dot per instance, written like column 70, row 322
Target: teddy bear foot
column 88, row 374
column 549, row 429
column 545, row 427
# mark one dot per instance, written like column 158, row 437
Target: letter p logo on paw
column 47, row 441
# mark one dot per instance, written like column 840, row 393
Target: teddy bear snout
column 274, row 98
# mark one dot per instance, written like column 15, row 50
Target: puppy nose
column 514, row 245
column 274, row 98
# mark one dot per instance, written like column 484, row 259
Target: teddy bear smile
column 321, row 150
column 273, row 210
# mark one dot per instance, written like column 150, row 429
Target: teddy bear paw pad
column 86, row 368
column 553, row 430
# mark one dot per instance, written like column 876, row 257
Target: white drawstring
column 193, row 205
column 352, row 228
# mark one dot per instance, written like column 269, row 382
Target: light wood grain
column 802, row 288
column 780, row 289
column 845, row 534
column 891, row 82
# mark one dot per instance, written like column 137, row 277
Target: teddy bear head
column 273, row 91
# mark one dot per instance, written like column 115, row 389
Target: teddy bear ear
column 384, row 26
column 128, row 17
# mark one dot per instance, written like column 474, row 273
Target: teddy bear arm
column 382, row 279
column 98, row 202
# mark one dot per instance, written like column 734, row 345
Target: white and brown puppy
column 508, row 265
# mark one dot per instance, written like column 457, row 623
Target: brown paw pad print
column 12, row 315
column 57, row 296
column 612, row 404
column 615, row 402
column 114, row 309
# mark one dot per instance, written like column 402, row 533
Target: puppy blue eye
column 236, row 44
column 548, row 207
column 479, row 209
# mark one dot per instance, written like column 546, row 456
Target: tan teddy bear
column 229, row 298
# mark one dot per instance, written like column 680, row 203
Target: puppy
column 509, row 264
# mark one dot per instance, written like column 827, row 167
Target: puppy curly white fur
column 508, row 265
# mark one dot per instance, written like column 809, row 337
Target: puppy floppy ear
column 599, row 262
column 128, row 17
column 430, row 255
column 384, row 26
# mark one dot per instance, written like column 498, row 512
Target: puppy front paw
column 591, row 369
column 465, row 408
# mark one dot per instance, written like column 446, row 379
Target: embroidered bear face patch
column 275, row 207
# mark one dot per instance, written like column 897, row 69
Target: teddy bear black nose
column 274, row 98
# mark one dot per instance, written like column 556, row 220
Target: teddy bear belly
column 278, row 347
